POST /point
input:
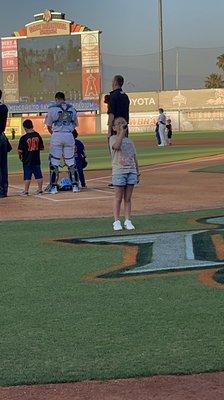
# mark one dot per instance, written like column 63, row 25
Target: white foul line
column 74, row 199
column 101, row 190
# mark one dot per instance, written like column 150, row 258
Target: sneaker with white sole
column 24, row 194
column 75, row 189
column 53, row 190
column 128, row 225
column 117, row 225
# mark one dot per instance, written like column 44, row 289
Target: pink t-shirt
column 123, row 160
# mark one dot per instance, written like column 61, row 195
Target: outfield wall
column 87, row 124
column 201, row 109
column 189, row 110
column 183, row 120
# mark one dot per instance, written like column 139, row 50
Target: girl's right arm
column 119, row 137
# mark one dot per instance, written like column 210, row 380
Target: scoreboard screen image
column 48, row 65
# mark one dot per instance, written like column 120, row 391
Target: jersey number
column 33, row 144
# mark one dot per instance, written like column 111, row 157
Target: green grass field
column 212, row 169
column 57, row 327
column 98, row 155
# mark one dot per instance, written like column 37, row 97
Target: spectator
column 169, row 131
column 162, row 126
column 4, row 148
column 118, row 105
column 29, row 148
column 157, row 134
column 80, row 157
column 13, row 134
column 125, row 173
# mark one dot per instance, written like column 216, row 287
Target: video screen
column 48, row 65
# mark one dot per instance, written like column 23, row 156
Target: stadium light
column 161, row 52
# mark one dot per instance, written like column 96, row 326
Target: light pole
column 161, row 54
column 177, row 68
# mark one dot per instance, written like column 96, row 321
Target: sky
column 129, row 26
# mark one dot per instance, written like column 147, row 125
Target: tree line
column 215, row 80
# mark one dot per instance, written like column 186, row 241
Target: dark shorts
column 169, row 135
column 30, row 170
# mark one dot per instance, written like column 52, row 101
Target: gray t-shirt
column 123, row 160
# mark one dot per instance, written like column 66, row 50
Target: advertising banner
column 143, row 122
column 90, row 49
column 91, row 82
column 10, row 86
column 91, row 79
column 42, row 107
column 139, row 102
column 143, row 101
column 50, row 28
column 9, row 54
column 202, row 120
column 10, row 69
column 138, row 122
column 192, row 99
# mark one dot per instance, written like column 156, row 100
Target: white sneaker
column 128, row 225
column 53, row 190
column 75, row 189
column 117, row 226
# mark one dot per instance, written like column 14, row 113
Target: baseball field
column 81, row 303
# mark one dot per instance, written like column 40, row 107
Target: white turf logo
column 171, row 252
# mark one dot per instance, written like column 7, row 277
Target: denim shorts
column 29, row 170
column 125, row 179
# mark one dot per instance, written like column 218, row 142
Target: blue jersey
column 79, row 149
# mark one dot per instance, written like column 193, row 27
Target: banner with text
column 91, row 79
column 10, row 69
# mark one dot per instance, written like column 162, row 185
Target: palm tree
column 220, row 61
column 214, row 80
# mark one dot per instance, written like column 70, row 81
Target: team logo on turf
column 166, row 252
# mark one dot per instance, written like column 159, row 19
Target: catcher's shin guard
column 54, row 171
column 54, row 175
column 73, row 174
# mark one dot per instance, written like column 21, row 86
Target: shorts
column 29, row 170
column 125, row 179
column 169, row 135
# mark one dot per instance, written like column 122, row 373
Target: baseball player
column 61, row 119
column 162, row 127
